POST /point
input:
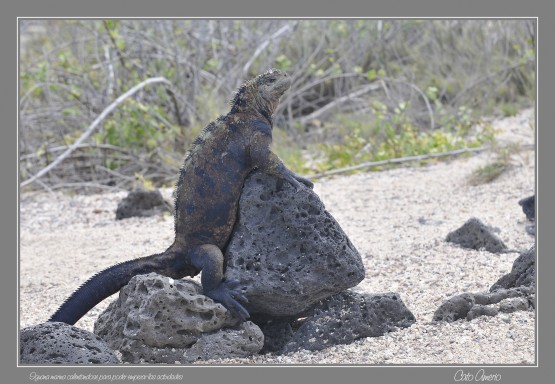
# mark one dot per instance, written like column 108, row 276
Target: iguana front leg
column 267, row 161
column 274, row 166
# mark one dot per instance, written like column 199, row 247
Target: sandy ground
column 398, row 220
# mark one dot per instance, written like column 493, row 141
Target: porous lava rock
column 515, row 291
column 59, row 343
column 286, row 250
column 455, row 308
column 481, row 310
column 348, row 316
column 157, row 319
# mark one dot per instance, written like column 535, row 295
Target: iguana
column 207, row 195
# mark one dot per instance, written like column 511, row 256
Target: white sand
column 65, row 239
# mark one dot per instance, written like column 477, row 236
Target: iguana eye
column 272, row 80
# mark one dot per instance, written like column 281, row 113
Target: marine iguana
column 207, row 195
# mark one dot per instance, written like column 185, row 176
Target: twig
column 298, row 92
column 111, row 73
column 93, row 126
column 413, row 86
column 87, row 185
column 85, row 145
column 114, row 173
column 484, row 78
column 316, row 114
column 261, row 47
column 399, row 160
column 172, row 93
column 113, row 40
column 48, row 189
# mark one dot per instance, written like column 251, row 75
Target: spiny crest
column 238, row 98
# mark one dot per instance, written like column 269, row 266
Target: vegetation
column 363, row 89
column 501, row 163
column 394, row 136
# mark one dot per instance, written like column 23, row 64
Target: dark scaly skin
column 207, row 197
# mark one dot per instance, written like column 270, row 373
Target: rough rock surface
column 287, row 250
column 457, row 307
column 142, row 203
column 481, row 310
column 514, row 304
column 161, row 320
column 476, row 235
column 60, row 343
column 513, row 292
column 277, row 333
column 348, row 316
column 523, row 272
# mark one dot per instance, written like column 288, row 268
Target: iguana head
column 262, row 93
column 272, row 85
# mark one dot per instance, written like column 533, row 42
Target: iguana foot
column 229, row 294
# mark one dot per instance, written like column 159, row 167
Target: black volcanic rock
column 59, row 343
column 476, row 235
column 529, row 207
column 286, row 250
column 142, row 203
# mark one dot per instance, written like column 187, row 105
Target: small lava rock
column 142, row 203
column 60, row 343
column 348, row 316
column 529, row 207
column 514, row 304
column 476, row 235
column 481, row 310
column 455, row 308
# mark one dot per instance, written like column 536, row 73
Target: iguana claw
column 229, row 295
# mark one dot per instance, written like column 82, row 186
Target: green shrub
column 396, row 136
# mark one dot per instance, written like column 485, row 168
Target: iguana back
column 207, row 196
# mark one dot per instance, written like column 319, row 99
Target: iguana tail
column 110, row 281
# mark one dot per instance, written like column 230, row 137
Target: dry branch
column 265, row 43
column 93, row 126
column 413, row 86
column 328, row 107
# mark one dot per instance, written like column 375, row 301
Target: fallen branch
column 88, row 185
column 93, row 126
column 85, row 145
column 401, row 160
